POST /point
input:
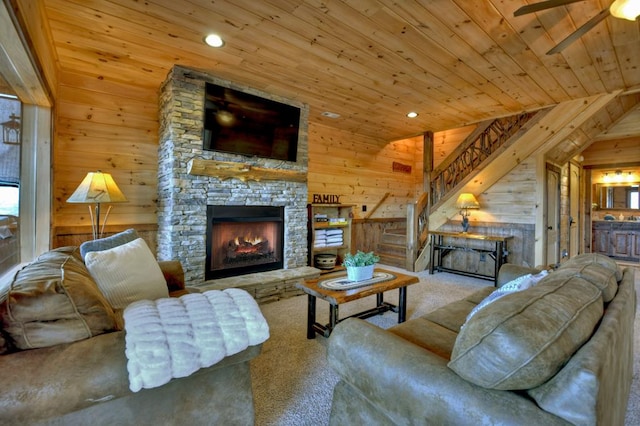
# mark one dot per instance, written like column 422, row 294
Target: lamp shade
column 97, row 187
column 625, row 9
column 467, row 201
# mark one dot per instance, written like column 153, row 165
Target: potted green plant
column 360, row 265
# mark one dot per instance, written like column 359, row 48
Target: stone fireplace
column 185, row 193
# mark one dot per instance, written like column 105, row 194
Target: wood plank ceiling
column 454, row 62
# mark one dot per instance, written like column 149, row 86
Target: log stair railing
column 479, row 148
column 488, row 139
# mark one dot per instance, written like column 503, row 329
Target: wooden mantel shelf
column 245, row 172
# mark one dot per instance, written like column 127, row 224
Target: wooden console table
column 440, row 248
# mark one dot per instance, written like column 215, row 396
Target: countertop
column 618, row 224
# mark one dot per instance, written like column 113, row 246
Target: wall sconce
column 11, row 130
column 97, row 187
column 618, row 176
column 465, row 202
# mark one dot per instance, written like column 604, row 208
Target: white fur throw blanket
column 174, row 337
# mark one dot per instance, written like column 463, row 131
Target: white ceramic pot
column 360, row 273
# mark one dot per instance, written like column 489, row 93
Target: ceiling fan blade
column 580, row 31
column 543, row 5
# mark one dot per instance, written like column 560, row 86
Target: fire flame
column 249, row 240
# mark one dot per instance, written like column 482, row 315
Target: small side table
column 338, row 297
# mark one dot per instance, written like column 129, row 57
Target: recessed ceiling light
column 412, row 114
column 331, row 114
column 214, row 40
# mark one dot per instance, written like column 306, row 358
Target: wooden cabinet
column 621, row 243
column 635, row 242
column 601, row 240
column 618, row 239
column 329, row 231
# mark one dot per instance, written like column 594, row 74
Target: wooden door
column 574, row 210
column 553, row 215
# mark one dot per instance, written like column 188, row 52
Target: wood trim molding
column 75, row 235
column 108, row 229
column 245, row 172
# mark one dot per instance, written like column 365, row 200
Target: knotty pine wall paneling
column 445, row 142
column 612, row 152
column 360, row 170
column 511, row 199
column 109, row 126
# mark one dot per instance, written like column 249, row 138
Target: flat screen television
column 241, row 123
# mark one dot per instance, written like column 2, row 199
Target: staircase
column 489, row 148
column 392, row 247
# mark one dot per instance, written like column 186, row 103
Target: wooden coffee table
column 337, row 297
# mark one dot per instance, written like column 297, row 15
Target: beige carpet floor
column 291, row 379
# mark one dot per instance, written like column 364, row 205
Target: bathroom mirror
column 616, row 196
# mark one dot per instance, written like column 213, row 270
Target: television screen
column 245, row 124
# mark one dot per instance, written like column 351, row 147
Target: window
column 34, row 158
column 9, row 182
column 9, row 199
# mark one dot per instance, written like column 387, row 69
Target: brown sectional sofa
column 85, row 380
column 558, row 353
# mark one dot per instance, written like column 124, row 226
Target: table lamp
column 465, row 202
column 97, row 188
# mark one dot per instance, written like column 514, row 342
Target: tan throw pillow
column 54, row 300
column 524, row 338
column 127, row 273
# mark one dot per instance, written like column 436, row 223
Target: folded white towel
column 331, row 232
column 174, row 337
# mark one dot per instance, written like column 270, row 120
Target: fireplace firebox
column 243, row 240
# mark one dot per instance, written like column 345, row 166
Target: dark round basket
column 325, row 261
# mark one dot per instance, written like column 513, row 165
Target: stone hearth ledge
column 267, row 286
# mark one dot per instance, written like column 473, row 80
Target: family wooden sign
column 326, row 199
